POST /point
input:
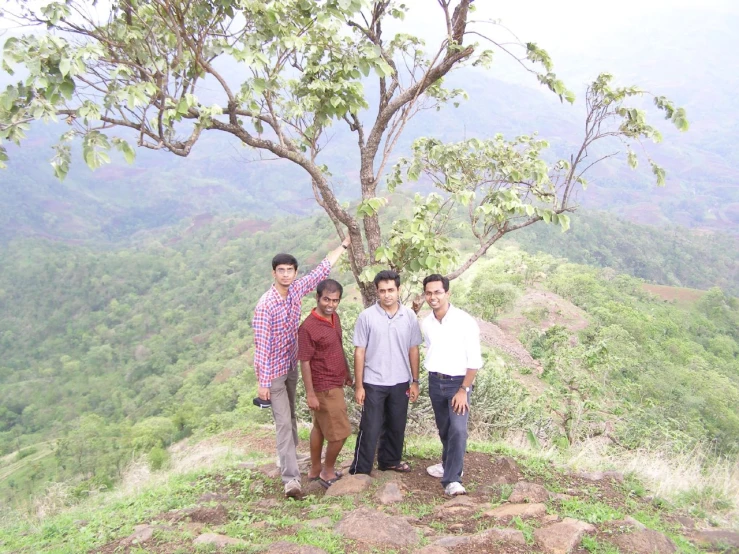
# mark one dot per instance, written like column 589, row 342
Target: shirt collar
column 446, row 315
column 383, row 312
column 331, row 321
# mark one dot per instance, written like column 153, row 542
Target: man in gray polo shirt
column 386, row 360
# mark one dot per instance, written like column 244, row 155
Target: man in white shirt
column 452, row 360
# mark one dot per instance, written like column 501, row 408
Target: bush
column 158, row 456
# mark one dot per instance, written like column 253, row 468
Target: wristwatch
column 465, row 389
column 416, row 381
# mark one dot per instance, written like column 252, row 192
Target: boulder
column 373, row 527
column 349, row 484
column 562, row 537
column 528, row 492
column 645, row 541
column 456, row 506
column 521, row 510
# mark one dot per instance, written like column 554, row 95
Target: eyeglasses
column 285, row 270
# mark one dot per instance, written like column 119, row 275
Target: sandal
column 402, row 467
column 326, row 483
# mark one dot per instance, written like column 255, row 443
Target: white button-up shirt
column 452, row 344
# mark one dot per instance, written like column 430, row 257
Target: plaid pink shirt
column 275, row 325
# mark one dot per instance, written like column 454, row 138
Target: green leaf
column 66, row 87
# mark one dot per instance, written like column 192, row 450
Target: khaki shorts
column 331, row 417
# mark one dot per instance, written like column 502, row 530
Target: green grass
column 592, row 512
column 594, row 546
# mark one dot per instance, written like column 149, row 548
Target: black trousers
column 384, row 415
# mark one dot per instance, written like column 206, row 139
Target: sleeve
column 416, row 337
column 262, row 326
column 306, row 346
column 305, row 284
column 361, row 332
column 425, row 330
column 472, row 345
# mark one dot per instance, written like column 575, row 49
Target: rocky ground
column 513, row 507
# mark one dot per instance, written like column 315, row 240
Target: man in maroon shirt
column 325, row 373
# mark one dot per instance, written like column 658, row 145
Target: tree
column 142, row 67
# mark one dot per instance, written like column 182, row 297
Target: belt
column 444, row 376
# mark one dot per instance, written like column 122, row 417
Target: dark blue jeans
column 452, row 427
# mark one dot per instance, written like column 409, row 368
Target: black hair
column 387, row 275
column 284, row 259
column 329, row 285
column 435, row 277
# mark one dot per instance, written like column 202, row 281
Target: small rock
column 498, row 535
column 218, row 540
column 269, row 470
column 631, row 522
column 213, row 497
column 560, row 497
column 505, row 471
column 601, row 475
column 521, row 510
column 528, row 492
column 431, row 549
column 561, row 538
column 456, row 526
column 457, row 505
column 284, row 547
column 267, row 503
column 349, row 484
column 374, row 527
column 140, row 535
column 551, row 518
column 717, row 538
column 686, row 522
column 452, row 541
column 426, row 531
column 389, row 493
column 320, row 522
column 646, row 541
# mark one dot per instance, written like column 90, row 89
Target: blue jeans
column 452, row 426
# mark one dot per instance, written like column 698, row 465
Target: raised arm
column 308, row 283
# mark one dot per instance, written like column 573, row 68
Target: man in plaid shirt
column 276, row 320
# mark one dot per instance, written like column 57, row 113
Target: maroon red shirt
column 319, row 342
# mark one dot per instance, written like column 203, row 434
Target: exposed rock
column 267, row 503
column 686, row 522
column 431, row 549
column 455, row 506
column 560, row 497
column 550, row 518
column 269, row 470
column 645, row 541
column 631, row 522
column 320, row 522
column 489, row 536
column 528, row 492
column 284, row 547
column 389, row 493
column 140, row 535
column 717, row 538
column 521, row 510
column 213, row 497
column 456, row 526
column 373, row 527
column 219, row 541
column 498, row 535
column 601, row 475
column 561, row 538
column 349, row 484
column 505, row 471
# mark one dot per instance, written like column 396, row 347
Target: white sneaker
column 454, row 489
column 436, row 471
column 293, row 489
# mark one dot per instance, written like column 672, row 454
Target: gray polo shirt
column 387, row 341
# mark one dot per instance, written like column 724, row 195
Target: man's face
column 436, row 296
column 327, row 303
column 284, row 274
column 387, row 292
